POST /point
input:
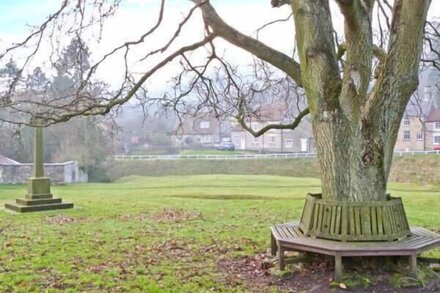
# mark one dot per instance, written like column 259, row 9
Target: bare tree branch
column 259, row 49
column 242, row 120
column 273, row 22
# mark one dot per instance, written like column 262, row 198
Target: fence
column 244, row 156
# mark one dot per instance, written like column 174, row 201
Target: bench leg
column 273, row 245
column 339, row 267
column 413, row 264
column 281, row 259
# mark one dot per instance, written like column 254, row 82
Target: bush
column 98, row 174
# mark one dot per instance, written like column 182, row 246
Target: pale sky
column 135, row 16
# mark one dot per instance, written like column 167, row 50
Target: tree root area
column 259, row 273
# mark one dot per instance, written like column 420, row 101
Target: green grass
column 307, row 167
column 160, row 234
column 420, row 170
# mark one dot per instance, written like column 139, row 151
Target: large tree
column 356, row 89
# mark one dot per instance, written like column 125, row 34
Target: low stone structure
column 38, row 196
column 12, row 172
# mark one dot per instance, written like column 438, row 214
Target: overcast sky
column 134, row 16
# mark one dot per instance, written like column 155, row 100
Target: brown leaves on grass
column 60, row 220
column 166, row 215
column 176, row 215
column 98, row 268
column 214, row 249
column 258, row 274
column 315, row 274
column 254, row 266
column 131, row 217
column 251, row 270
column 3, row 228
column 173, row 249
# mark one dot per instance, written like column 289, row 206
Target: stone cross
column 38, row 153
column 38, row 197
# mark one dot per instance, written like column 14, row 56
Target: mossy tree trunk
column 355, row 126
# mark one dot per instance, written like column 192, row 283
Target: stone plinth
column 25, row 205
column 38, row 188
column 38, row 198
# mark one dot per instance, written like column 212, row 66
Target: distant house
column 203, row 131
column 432, row 125
column 13, row 172
column 420, row 127
column 275, row 140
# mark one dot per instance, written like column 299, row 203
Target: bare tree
column 357, row 86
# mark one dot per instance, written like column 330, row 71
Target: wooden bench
column 354, row 221
column 288, row 237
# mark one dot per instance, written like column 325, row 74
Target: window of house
column 406, row 135
column 437, row 125
column 206, row 139
column 288, row 143
column 204, row 124
column 406, row 122
column 419, row 136
column 436, row 139
column 255, row 125
column 272, row 139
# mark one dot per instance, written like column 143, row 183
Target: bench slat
column 291, row 235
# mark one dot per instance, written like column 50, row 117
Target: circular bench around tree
column 354, row 221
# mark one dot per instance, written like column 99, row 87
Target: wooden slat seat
column 288, row 236
column 354, row 221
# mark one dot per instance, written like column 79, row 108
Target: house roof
column 192, row 126
column 277, row 113
column 271, row 112
column 426, row 98
column 434, row 116
column 7, row 161
column 420, row 107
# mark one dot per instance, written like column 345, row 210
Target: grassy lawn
column 160, row 234
column 419, row 170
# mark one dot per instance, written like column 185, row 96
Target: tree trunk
column 355, row 128
column 352, row 163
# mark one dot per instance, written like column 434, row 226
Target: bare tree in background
column 87, row 140
column 356, row 88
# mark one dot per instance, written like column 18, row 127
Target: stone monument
column 38, row 197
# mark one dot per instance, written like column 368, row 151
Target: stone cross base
column 38, row 198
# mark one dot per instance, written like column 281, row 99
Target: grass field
column 420, row 170
column 160, row 234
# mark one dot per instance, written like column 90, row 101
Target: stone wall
column 59, row 173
